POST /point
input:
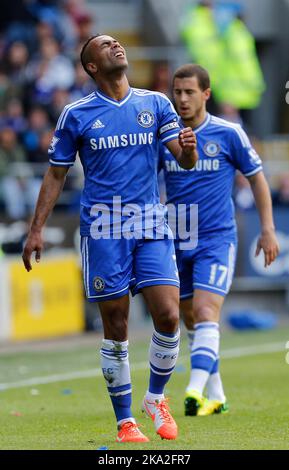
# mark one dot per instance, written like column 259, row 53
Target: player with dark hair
column 116, row 131
column 206, row 271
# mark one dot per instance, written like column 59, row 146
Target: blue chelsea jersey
column 117, row 142
column 223, row 148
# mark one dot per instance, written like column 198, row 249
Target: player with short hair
column 116, row 130
column 206, row 271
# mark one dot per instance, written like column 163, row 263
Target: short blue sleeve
column 161, row 156
column 169, row 127
column 63, row 148
column 244, row 156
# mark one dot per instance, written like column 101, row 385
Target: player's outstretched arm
column 51, row 188
column 185, row 148
column 267, row 240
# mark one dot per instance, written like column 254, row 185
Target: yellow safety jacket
column 242, row 83
column 200, row 34
column 231, row 59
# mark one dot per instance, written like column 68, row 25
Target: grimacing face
column 189, row 97
column 106, row 55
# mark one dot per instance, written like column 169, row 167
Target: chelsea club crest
column 212, row 149
column 98, row 284
column 145, row 119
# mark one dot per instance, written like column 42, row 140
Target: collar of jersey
column 113, row 101
column 203, row 125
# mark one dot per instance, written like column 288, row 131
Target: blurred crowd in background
column 40, row 72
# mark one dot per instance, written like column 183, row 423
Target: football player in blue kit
column 206, row 271
column 115, row 131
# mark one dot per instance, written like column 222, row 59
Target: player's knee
column 205, row 313
column 119, row 327
column 116, row 325
column 168, row 320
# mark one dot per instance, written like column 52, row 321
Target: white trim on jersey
column 111, row 101
column 202, row 126
column 170, row 137
column 140, row 92
column 254, row 172
column 60, row 163
column 143, row 92
column 68, row 107
column 237, row 128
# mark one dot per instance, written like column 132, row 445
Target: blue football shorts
column 112, row 267
column 210, row 266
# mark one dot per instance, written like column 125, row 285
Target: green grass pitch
column 75, row 413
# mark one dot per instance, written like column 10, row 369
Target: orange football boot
column 129, row 432
column 165, row 424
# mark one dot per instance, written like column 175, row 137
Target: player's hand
column 33, row 243
column 187, row 139
column 269, row 244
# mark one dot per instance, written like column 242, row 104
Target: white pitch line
column 226, row 354
column 252, row 350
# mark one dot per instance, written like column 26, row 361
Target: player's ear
column 91, row 67
column 207, row 94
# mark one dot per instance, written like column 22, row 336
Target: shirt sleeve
column 161, row 156
column 244, row 156
column 169, row 127
column 63, row 148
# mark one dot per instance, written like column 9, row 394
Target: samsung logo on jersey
column 201, row 165
column 115, row 141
